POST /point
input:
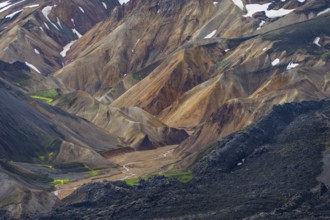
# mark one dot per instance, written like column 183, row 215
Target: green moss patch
column 46, row 96
column 183, row 176
column 132, row 182
column 57, row 182
column 94, row 173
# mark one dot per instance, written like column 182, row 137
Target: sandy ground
column 133, row 165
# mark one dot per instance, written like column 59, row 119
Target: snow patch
column 6, row 5
column 66, row 48
column 253, row 8
column 46, row 11
column 32, row 6
column 323, row 12
column 10, row 16
column 104, row 5
column 59, row 23
column 46, row 25
column 239, row 4
column 123, row 1
column 77, row 33
column 317, row 41
column 275, row 62
column 210, row 34
column 32, row 67
column 36, row 51
column 261, row 24
column 292, row 65
column 81, row 9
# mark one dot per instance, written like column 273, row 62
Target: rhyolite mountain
column 81, row 80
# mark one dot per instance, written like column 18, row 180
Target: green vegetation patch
column 132, row 182
column 94, row 172
column 47, row 93
column 184, row 176
column 42, row 158
column 57, row 182
column 45, row 100
column 46, row 96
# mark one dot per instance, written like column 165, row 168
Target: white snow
column 261, row 24
column 317, row 41
column 77, row 33
column 46, row 11
column 323, row 12
column 32, row 67
column 32, row 6
column 278, row 13
column 302, row 1
column 123, row 1
column 210, row 35
column 81, row 9
column 275, row 62
column 264, row 49
column 215, row 3
column 66, row 48
column 72, row 20
column 46, row 25
column 239, row 4
column 4, row 4
column 59, row 23
column 36, row 51
column 253, row 8
column 292, row 65
column 10, row 16
column 105, row 5
column 226, row 50
column 7, row 6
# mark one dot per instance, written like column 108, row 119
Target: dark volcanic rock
column 267, row 171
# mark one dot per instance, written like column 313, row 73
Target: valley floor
column 133, row 165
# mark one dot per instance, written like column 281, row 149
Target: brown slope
column 36, row 31
column 181, row 72
column 235, row 115
column 148, row 32
column 132, row 126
